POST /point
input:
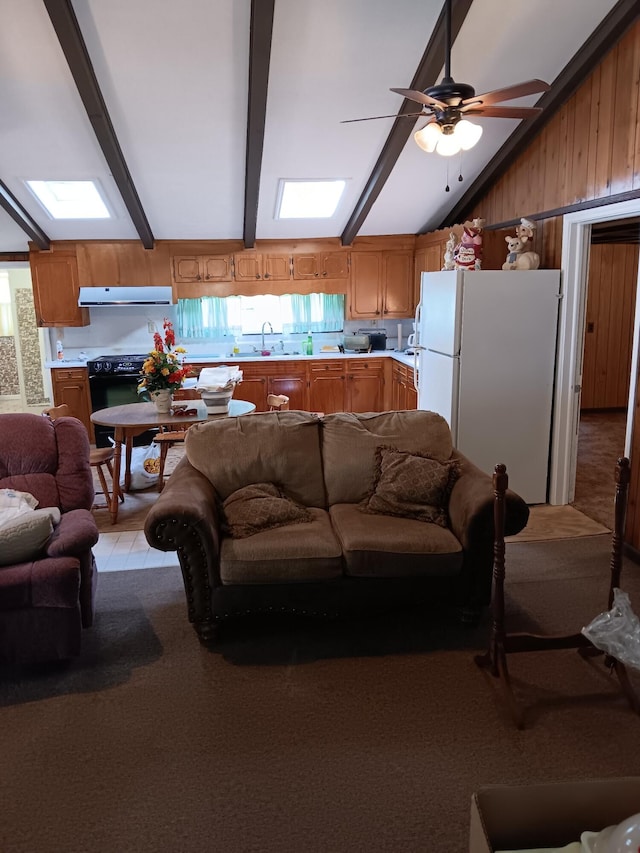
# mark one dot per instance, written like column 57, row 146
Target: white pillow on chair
column 24, row 537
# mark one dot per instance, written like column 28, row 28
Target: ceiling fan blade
column 420, row 97
column 501, row 112
column 518, row 90
column 372, row 118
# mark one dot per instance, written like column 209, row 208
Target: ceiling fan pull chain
column 447, row 188
column 460, row 178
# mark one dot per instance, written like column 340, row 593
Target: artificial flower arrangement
column 162, row 369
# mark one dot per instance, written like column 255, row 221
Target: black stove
column 110, row 364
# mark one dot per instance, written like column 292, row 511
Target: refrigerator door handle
column 416, row 325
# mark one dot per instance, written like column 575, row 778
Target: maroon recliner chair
column 46, row 602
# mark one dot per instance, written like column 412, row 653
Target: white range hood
column 108, row 297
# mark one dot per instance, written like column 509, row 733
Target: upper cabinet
column 205, row 268
column 56, row 289
column 126, row 263
column 318, row 265
column 381, row 285
column 261, row 266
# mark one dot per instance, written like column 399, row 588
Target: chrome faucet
column 266, row 323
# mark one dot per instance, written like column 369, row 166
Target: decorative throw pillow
column 24, row 538
column 260, row 506
column 412, row 485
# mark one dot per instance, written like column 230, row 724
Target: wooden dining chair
column 167, row 438
column 278, row 402
column 99, row 458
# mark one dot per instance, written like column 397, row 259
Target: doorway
column 612, row 282
column 576, row 239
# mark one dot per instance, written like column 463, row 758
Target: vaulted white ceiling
column 174, row 78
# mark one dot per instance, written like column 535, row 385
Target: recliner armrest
column 75, row 534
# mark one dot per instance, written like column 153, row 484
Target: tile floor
column 118, row 552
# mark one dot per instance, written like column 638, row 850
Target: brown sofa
column 337, row 556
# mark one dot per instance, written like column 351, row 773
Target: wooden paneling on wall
column 611, row 300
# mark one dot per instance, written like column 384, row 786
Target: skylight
column 309, row 199
column 70, row 199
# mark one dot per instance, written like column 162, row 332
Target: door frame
column 576, row 239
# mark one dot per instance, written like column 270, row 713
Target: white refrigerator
column 485, row 360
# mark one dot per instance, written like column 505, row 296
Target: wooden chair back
column 277, row 402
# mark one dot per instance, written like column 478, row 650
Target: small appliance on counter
column 377, row 338
column 356, row 343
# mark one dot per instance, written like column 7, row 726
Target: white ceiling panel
column 174, row 77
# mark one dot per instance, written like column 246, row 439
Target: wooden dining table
column 132, row 419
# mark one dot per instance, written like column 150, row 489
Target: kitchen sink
column 259, row 355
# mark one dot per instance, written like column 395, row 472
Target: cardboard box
column 521, row 817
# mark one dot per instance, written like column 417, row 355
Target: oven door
column 116, row 389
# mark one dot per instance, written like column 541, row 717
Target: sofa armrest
column 471, row 506
column 75, row 534
column 185, row 518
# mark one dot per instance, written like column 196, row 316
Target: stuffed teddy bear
column 517, row 258
column 468, row 253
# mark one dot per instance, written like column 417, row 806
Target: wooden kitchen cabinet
column 321, row 265
column 365, row 385
column 56, row 289
column 125, row 262
column 327, row 386
column 404, row 394
column 71, row 387
column 289, row 378
column 261, row 266
column 381, row 285
column 207, row 268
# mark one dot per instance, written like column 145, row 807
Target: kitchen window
column 219, row 317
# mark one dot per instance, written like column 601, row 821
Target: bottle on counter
column 59, row 350
column 309, row 344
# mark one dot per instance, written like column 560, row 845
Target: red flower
column 157, row 342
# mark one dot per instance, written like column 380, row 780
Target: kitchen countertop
column 402, row 357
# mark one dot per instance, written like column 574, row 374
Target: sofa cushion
column 350, row 442
column 271, row 447
column 411, row 485
column 386, row 546
column 283, row 555
column 261, row 506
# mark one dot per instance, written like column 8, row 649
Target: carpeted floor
column 367, row 735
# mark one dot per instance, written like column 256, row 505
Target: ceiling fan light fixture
column 428, row 137
column 468, row 134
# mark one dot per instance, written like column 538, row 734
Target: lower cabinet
column 364, row 385
column 327, row 386
column 403, row 392
column 71, row 386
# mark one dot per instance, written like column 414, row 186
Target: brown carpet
column 367, row 735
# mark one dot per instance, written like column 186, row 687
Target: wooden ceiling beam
column 73, row 46
column 17, row 212
column 425, row 76
column 259, row 60
column 602, row 40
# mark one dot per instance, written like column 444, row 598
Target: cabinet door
column 276, row 267
column 254, row 390
column 56, row 290
column 306, row 266
column 327, row 387
column 365, row 386
column 186, row 268
column 71, row 386
column 412, row 394
column 335, row 265
column 247, row 267
column 398, row 285
column 294, row 387
column 216, row 267
column 365, row 286
column 399, row 388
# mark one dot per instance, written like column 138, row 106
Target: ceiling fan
column 449, row 104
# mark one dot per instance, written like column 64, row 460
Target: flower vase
column 162, row 400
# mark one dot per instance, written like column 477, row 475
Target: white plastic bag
column 145, row 467
column 617, row 631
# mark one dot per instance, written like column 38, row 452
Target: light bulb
column 467, row 134
column 448, row 144
column 428, row 137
